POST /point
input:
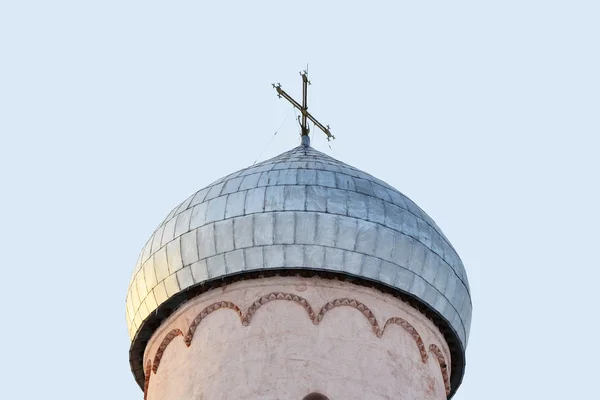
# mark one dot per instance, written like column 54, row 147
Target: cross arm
column 282, row 93
column 319, row 125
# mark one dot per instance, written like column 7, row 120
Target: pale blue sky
column 485, row 113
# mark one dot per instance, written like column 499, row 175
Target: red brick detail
column 277, row 296
column 204, row 313
column 443, row 366
column 350, row 303
column 163, row 346
column 147, row 380
column 246, row 318
column 411, row 330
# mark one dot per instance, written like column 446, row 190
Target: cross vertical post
column 305, row 83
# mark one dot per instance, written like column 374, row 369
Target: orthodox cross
column 304, row 107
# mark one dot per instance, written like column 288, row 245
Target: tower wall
column 281, row 338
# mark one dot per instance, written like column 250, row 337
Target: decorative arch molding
column 364, row 310
column 411, row 330
column 246, row 318
column 221, row 305
column 163, row 346
column 277, row 296
column 443, row 366
column 147, row 378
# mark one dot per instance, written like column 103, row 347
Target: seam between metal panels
column 319, row 157
column 330, row 187
column 314, row 154
column 371, row 180
column 323, row 269
column 353, row 250
column 336, row 238
column 328, row 213
column 338, row 165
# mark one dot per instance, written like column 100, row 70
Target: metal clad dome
column 300, row 210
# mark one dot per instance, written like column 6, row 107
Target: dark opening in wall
column 315, row 396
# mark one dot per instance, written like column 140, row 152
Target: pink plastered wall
column 281, row 338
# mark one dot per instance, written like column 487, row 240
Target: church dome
column 300, row 211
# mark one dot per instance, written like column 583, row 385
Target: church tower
column 299, row 278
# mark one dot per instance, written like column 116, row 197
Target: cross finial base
column 305, row 140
